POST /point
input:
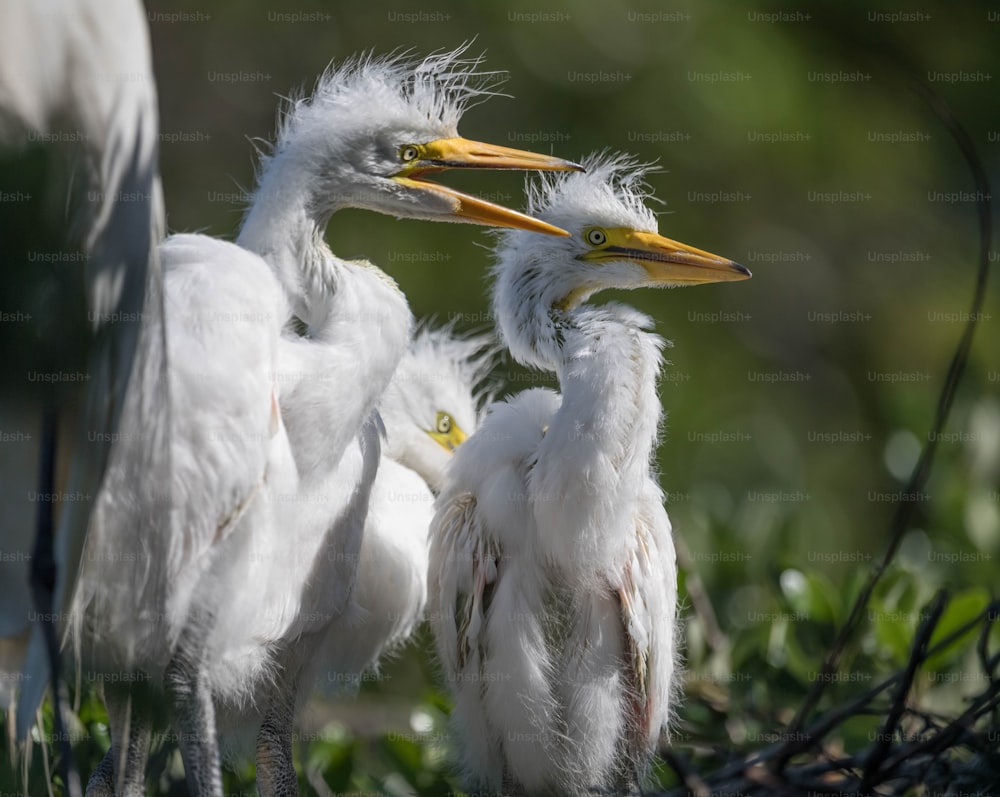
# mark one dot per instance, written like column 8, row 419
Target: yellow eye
column 443, row 423
column 596, row 236
column 408, row 153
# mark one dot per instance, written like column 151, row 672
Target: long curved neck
column 593, row 466
column 359, row 321
column 523, row 305
column 285, row 225
column 602, row 353
column 608, row 378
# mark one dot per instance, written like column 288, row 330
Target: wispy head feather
column 436, row 89
column 613, row 185
column 468, row 358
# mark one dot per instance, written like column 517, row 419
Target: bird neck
column 593, row 468
column 608, row 369
column 606, row 361
column 285, row 225
column 525, row 308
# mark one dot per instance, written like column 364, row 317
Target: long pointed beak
column 461, row 153
column 668, row 261
column 472, row 209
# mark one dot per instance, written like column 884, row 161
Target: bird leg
column 275, row 770
column 192, row 712
column 43, row 588
column 122, row 771
column 102, row 779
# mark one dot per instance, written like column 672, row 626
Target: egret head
column 432, row 404
column 376, row 127
column 612, row 243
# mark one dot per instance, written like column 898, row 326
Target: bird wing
column 393, row 552
column 486, row 598
column 464, row 589
column 647, row 598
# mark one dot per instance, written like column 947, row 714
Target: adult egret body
column 553, row 579
column 78, row 145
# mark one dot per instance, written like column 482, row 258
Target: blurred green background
column 791, row 140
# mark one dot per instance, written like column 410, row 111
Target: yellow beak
column 667, row 261
column 451, row 440
column 461, row 153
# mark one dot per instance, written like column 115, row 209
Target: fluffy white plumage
column 553, row 579
column 431, row 394
column 366, row 137
column 136, row 585
column 439, row 374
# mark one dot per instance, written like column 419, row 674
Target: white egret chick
column 366, row 138
column 229, row 454
column 553, row 584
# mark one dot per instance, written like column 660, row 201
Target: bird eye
column 409, row 153
column 443, row 423
column 596, row 237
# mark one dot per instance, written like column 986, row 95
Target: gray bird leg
column 275, row 771
column 122, row 771
column 192, row 712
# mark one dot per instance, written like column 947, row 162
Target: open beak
column 461, row 153
column 667, row 261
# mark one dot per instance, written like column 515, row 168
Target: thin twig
column 692, row 781
column 918, row 654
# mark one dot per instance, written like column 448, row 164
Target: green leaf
column 961, row 609
column 811, row 595
column 894, row 633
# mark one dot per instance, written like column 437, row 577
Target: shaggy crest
column 443, row 370
column 468, row 359
column 612, row 192
column 436, row 89
column 613, row 188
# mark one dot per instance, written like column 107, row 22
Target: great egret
column 78, row 77
column 553, row 580
column 82, row 217
column 265, row 591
